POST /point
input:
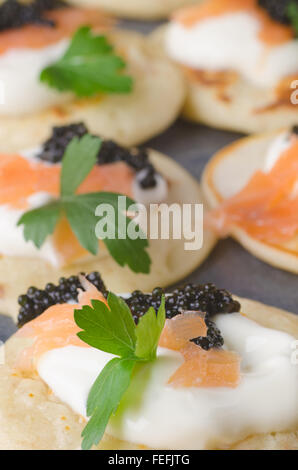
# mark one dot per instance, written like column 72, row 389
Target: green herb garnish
column 80, row 211
column 89, row 66
column 292, row 12
column 112, row 329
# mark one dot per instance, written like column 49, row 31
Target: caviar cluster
column 278, row 10
column 36, row 301
column 205, row 298
column 53, row 149
column 213, row 339
column 110, row 152
column 14, row 14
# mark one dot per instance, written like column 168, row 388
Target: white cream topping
column 159, row 416
column 279, row 145
column 21, row 89
column 12, row 241
column 153, row 195
column 231, row 42
column 31, row 154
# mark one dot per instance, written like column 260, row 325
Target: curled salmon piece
column 267, row 207
column 180, row 329
column 213, row 368
column 67, row 21
column 55, row 328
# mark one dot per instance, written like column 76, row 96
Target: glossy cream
column 231, row 42
column 153, row 195
column 21, row 90
column 156, row 415
column 279, row 145
column 12, row 241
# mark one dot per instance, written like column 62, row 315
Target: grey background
column 229, row 265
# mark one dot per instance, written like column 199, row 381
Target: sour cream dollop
column 157, row 415
column 279, row 145
column 231, row 42
column 154, row 195
column 21, row 90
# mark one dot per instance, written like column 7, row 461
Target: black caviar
column 278, row 9
column 53, row 149
column 204, row 298
column 14, row 14
column 213, row 339
column 110, row 152
column 36, row 301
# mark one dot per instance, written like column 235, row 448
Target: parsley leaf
column 88, row 67
column 292, row 11
column 39, row 223
column 112, row 329
column 130, row 252
column 148, row 332
column 104, row 398
column 78, row 160
column 80, row 211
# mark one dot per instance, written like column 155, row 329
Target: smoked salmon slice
column 213, row 368
column 55, row 328
column 67, row 21
column 267, row 207
column 21, row 178
column 179, row 330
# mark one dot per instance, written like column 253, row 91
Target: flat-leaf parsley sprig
column 88, row 67
column 111, row 328
column 79, row 209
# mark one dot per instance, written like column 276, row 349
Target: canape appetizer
column 44, row 231
column 252, row 186
column 193, row 369
column 139, row 9
column 61, row 63
column 240, row 61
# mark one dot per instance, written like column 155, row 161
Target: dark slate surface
column 229, row 265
